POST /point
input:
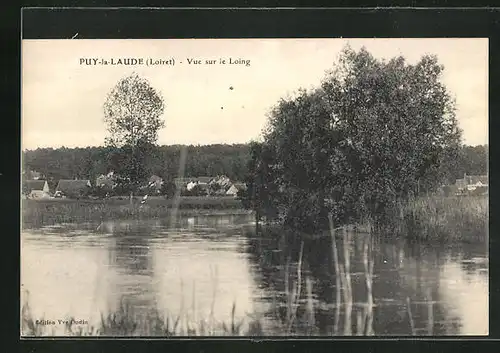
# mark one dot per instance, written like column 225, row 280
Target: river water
column 202, row 266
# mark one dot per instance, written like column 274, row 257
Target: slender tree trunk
column 134, row 161
column 322, row 209
column 257, row 217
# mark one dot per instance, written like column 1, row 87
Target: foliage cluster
column 372, row 135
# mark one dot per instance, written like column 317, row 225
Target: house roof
column 35, row 184
column 231, row 188
column 221, row 180
column 72, row 185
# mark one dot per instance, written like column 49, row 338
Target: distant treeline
column 209, row 160
column 90, row 162
column 473, row 160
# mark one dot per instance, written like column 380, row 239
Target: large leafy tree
column 133, row 114
column 373, row 133
column 398, row 121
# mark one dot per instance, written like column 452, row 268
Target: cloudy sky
column 62, row 101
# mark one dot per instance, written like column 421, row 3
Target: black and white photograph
column 254, row 187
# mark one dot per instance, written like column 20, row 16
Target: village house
column 36, row 189
column 219, row 185
column 232, row 191
column 203, row 181
column 72, row 188
column 471, row 183
column 235, row 188
column 221, row 180
column 181, row 183
column 190, row 182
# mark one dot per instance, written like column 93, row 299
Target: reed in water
column 444, row 219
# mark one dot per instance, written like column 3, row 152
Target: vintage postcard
column 254, row 187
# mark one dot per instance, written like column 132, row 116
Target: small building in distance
column 73, row 188
column 202, row 181
column 36, row 189
column 188, row 183
column 232, row 191
column 235, row 188
column 41, row 185
column 223, row 181
column 218, row 185
column 181, row 183
column 471, row 183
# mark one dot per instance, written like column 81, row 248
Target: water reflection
column 130, row 258
column 463, row 289
column 365, row 286
column 197, row 268
column 65, row 276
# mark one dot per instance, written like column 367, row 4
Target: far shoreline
column 39, row 213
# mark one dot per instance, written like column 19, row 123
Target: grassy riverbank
column 37, row 213
column 432, row 219
column 445, row 219
column 125, row 323
column 429, row 219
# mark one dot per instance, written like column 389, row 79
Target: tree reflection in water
column 131, row 258
column 348, row 283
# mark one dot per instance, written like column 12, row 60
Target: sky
column 62, row 100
